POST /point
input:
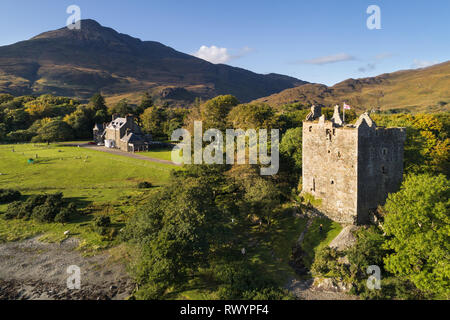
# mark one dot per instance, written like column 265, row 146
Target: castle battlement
column 351, row 168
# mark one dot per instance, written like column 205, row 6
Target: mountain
column 418, row 90
column 79, row 63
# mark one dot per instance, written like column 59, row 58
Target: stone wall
column 350, row 168
column 380, row 167
column 330, row 166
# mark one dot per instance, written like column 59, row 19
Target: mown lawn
column 159, row 153
column 99, row 183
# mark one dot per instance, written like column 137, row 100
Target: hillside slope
column 426, row 89
column 79, row 63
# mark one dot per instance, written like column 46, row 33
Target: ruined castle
column 350, row 169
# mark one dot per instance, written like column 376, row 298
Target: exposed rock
column 330, row 285
column 345, row 239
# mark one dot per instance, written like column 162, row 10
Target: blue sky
column 317, row 41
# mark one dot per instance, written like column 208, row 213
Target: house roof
column 133, row 138
column 117, row 123
column 98, row 127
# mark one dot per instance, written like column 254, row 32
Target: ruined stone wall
column 330, row 168
column 350, row 169
column 380, row 167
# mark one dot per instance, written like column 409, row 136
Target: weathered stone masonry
column 350, row 168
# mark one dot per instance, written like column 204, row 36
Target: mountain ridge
column 82, row 62
column 418, row 90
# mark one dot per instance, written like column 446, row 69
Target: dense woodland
column 189, row 226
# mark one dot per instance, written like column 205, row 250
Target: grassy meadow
column 99, row 183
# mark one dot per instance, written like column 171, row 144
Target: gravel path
column 34, row 270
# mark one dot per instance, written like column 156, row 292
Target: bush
column 66, row 214
column 242, row 280
column 42, row 208
column 326, row 263
column 144, row 185
column 9, row 195
column 101, row 224
column 13, row 210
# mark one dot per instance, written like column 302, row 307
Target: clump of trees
column 187, row 227
column 427, row 146
column 42, row 208
column 417, row 227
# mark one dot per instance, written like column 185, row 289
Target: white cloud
column 423, row 63
column 216, row 54
column 330, row 59
column 213, row 54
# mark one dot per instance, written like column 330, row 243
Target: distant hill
column 79, row 63
column 426, row 89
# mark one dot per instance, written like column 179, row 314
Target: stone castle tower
column 350, row 168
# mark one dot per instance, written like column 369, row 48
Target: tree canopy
column 417, row 225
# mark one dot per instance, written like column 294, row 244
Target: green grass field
column 99, row 183
column 162, row 153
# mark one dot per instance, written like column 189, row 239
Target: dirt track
column 33, row 270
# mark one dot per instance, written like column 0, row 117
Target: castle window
column 339, row 154
column 384, row 151
column 334, row 132
column 313, row 185
column 310, row 129
column 383, row 170
column 332, row 181
column 328, row 134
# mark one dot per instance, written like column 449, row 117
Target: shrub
column 13, row 210
column 45, row 213
column 326, row 262
column 242, row 280
column 144, row 185
column 42, row 208
column 8, row 195
column 63, row 216
column 101, row 224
